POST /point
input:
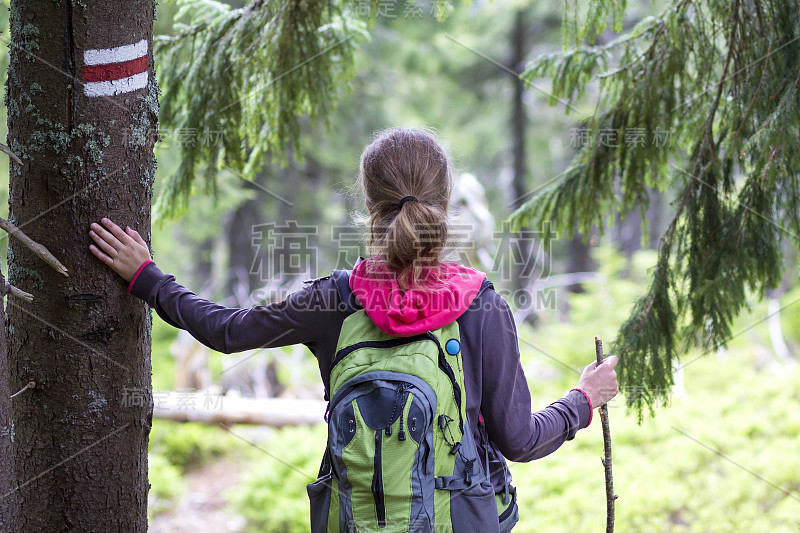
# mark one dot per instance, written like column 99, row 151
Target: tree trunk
column 243, row 278
column 82, row 112
column 522, row 274
column 579, row 259
column 628, row 233
column 8, row 496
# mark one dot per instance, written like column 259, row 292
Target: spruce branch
column 34, row 246
column 29, row 385
column 722, row 78
column 237, row 83
column 6, row 150
column 7, row 288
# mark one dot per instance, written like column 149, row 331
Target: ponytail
column 405, row 177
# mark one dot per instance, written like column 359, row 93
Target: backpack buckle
column 468, row 471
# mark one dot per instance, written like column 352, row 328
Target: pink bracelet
column 139, row 271
column 591, row 409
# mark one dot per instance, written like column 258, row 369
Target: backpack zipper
column 508, row 510
column 448, row 370
column 444, row 366
column 377, row 482
column 388, row 343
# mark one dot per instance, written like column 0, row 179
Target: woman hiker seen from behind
column 419, row 358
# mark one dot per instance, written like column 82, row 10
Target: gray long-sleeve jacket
column 496, row 389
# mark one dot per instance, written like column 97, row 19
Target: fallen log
column 216, row 409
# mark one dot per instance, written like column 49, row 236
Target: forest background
column 720, row 455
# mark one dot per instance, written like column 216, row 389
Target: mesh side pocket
column 319, row 495
column 474, row 509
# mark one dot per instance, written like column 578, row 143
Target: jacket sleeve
column 519, row 434
column 298, row 319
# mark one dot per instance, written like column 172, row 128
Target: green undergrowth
column 272, row 496
column 190, row 445
column 177, row 448
column 720, row 458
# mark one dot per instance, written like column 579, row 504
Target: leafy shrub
column 188, row 445
column 272, row 497
column 166, row 484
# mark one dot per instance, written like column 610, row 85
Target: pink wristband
column 139, row 271
column 591, row 409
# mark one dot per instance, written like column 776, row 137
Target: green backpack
column 400, row 455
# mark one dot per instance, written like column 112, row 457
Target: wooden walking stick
column 606, row 460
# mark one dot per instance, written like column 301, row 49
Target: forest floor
column 202, row 507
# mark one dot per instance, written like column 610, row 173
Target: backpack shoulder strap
column 485, row 285
column 347, row 299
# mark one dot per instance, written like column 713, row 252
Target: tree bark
column 80, row 445
column 243, row 279
column 519, row 119
column 8, row 496
column 579, row 259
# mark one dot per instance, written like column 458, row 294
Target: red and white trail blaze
column 111, row 71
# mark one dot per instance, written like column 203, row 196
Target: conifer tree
column 718, row 81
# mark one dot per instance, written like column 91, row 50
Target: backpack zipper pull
column 468, row 471
column 401, row 434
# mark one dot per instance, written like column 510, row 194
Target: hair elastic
column 406, row 199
